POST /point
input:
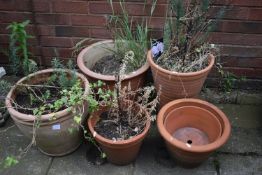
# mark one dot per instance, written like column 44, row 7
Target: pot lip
column 87, row 71
column 205, row 148
column 121, row 142
column 187, row 74
column 46, row 117
column 196, row 107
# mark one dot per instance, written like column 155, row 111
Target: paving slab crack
column 133, row 166
column 253, row 154
column 49, row 165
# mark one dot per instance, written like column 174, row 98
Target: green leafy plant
column 227, row 79
column 4, row 87
column 62, row 90
column 18, row 49
column 61, row 76
column 9, row 161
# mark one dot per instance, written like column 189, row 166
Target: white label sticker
column 56, row 127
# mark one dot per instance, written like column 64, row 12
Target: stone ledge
column 234, row 97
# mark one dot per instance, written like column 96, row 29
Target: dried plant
column 185, row 35
column 128, row 107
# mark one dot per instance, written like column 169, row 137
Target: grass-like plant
column 129, row 36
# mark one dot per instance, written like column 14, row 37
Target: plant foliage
column 129, row 36
column 18, row 51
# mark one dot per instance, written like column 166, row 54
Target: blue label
column 56, row 127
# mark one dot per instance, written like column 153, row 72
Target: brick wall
column 58, row 24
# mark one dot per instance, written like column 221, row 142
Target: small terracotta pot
column 175, row 85
column 119, row 152
column 93, row 53
column 192, row 130
column 52, row 137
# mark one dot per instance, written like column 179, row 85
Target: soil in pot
column 108, row 65
column 27, row 101
column 173, row 63
column 110, row 127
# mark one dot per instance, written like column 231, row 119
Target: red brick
column 72, row 31
column 233, row 12
column 236, row 39
column 57, row 52
column 45, row 30
column 15, row 5
column 155, row 22
column 53, row 19
column 241, row 51
column 4, row 59
column 228, row 61
column 41, row 6
column 239, row 27
column 4, row 39
column 70, row 7
column 238, row 13
column 89, row 20
column 6, row 17
column 245, row 72
column 247, row 3
column 56, row 41
column 3, row 29
column 132, row 9
column 100, row 33
column 255, row 14
column 35, row 50
column 156, row 34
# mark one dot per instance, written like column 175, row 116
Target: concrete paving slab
column 12, row 142
column 245, row 116
column 244, row 141
column 77, row 164
column 249, row 98
column 214, row 96
column 154, row 160
column 240, row 165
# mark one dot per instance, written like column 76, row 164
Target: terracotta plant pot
column 93, row 53
column 192, row 130
column 52, row 137
column 175, row 85
column 119, row 152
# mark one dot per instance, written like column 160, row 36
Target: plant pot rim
column 46, row 117
column 194, row 148
column 85, row 70
column 186, row 74
column 120, row 143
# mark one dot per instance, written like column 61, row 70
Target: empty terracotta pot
column 192, row 130
column 52, row 137
column 119, row 152
column 93, row 53
column 175, row 85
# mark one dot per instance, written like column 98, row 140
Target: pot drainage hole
column 191, row 136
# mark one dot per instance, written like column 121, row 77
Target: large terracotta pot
column 52, row 137
column 119, row 152
column 175, row 85
column 93, row 53
column 192, row 130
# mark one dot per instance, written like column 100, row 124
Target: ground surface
column 242, row 155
